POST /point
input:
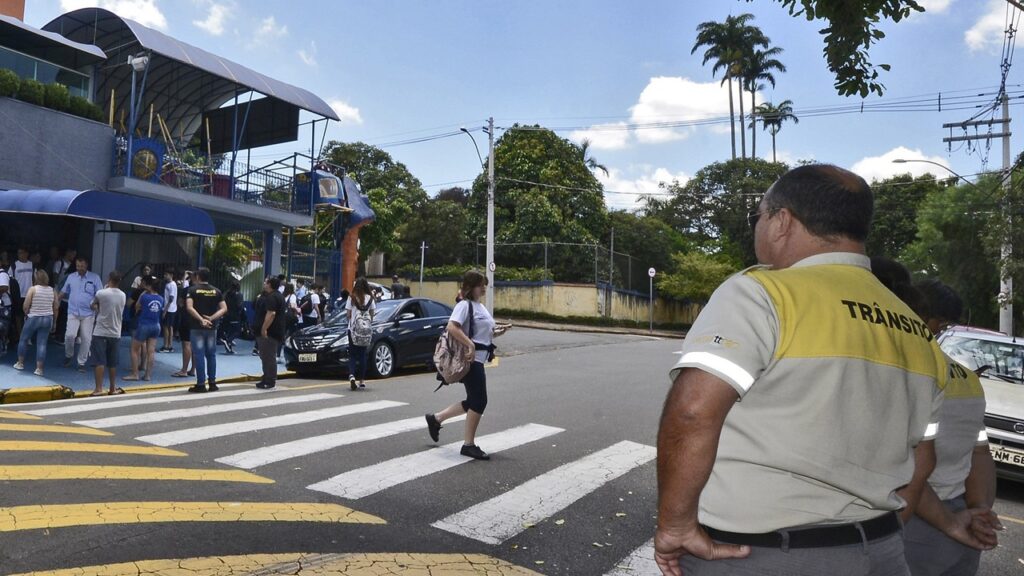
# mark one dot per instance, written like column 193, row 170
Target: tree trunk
column 732, row 117
column 753, row 127
column 743, row 129
column 773, row 147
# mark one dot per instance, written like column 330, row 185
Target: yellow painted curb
column 66, row 472
column 44, row 446
column 308, row 564
column 54, row 428
column 186, row 383
column 35, row 394
column 37, row 517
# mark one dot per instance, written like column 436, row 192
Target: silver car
column 1000, row 359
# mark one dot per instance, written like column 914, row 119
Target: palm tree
column 773, row 116
column 589, row 160
column 726, row 43
column 758, row 67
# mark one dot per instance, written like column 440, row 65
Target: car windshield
column 1003, row 358
column 383, row 312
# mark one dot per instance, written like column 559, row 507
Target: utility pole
column 1005, row 296
column 490, row 215
column 423, row 253
column 1006, row 251
column 611, row 272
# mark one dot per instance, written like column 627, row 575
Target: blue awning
column 109, row 206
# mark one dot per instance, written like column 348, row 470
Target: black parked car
column 405, row 333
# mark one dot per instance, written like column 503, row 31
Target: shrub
column 9, row 83
column 32, row 91
column 455, row 272
column 56, row 96
column 82, row 107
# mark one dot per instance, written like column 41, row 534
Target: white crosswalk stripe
column 639, row 563
column 504, row 516
column 181, row 396
column 305, row 446
column 363, row 482
column 105, row 398
column 219, row 430
column 150, row 417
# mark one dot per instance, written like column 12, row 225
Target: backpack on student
column 450, row 355
column 306, row 304
column 361, row 328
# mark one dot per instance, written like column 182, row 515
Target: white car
column 1002, row 358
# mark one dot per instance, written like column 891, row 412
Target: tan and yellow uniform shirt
column 838, row 381
column 961, row 429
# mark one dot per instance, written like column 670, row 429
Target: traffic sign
column 651, row 272
column 492, row 267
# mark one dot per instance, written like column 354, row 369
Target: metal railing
column 271, row 185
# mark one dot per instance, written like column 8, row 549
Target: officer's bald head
column 831, row 203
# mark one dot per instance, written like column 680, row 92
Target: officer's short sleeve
column 735, row 335
column 932, row 430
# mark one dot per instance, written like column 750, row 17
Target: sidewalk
column 228, row 366
column 594, row 329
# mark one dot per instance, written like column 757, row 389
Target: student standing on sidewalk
column 474, row 286
column 41, row 308
column 269, row 327
column 148, row 309
column 106, row 337
column 80, row 290
column 204, row 305
column 170, row 315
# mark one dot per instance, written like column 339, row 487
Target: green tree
column 441, row 224
column 649, row 241
column 757, row 67
column 227, row 256
column 726, row 43
column 589, row 160
column 897, row 200
column 852, row 29
column 695, row 275
column 543, row 191
column 772, row 118
column 711, row 209
column 382, row 234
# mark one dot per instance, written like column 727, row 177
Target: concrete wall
column 564, row 300
column 43, row 148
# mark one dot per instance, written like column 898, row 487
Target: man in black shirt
column 270, row 330
column 232, row 324
column 204, row 305
column 397, row 288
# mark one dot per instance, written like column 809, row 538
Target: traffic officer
column 954, row 519
column 804, row 406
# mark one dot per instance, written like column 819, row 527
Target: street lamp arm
column 944, row 167
column 470, row 134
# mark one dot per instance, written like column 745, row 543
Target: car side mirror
column 406, row 316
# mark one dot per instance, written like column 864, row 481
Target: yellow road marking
column 53, row 428
column 64, row 472
column 42, row 446
column 17, row 415
column 311, row 386
column 99, row 513
column 393, row 564
column 1011, row 519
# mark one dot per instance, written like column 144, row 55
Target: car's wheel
column 382, row 359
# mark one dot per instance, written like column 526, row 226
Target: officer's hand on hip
column 671, row 546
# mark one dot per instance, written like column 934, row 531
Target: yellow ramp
column 45, row 446
column 392, row 564
column 54, row 428
column 37, row 517
column 65, row 472
column 12, row 415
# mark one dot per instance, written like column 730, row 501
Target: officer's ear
column 781, row 224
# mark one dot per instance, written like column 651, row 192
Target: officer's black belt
column 822, row 537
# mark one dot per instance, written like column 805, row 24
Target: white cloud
column 935, row 6
column 987, row 32
column 667, row 99
column 882, row 167
column 144, row 12
column 612, row 136
column 268, row 31
column 641, row 180
column 214, row 22
column 308, row 57
column 349, row 114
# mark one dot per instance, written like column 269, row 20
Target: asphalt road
column 314, row 478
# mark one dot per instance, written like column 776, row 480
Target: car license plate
column 1007, row 455
column 304, row 358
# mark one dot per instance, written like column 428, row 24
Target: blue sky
column 400, row 69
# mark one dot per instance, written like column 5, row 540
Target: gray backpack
column 361, row 329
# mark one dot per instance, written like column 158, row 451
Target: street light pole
column 1005, row 295
column 490, row 207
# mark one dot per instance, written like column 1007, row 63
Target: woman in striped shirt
column 40, row 307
